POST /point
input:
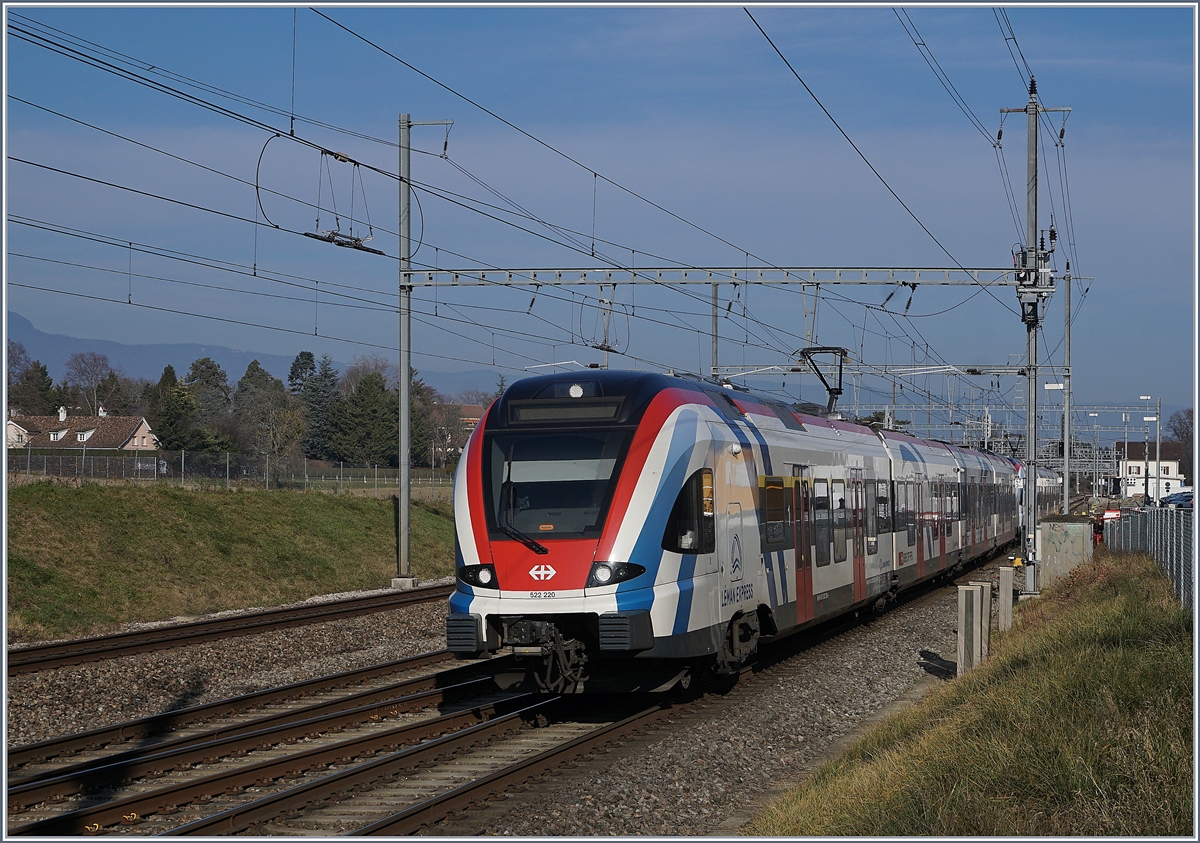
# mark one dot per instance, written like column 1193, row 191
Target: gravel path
column 733, row 752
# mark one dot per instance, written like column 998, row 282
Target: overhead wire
column 320, row 148
column 317, row 146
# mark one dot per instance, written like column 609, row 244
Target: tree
column 33, row 391
column 88, row 373
column 18, row 362
column 362, row 366
column 318, row 395
column 363, row 425
column 171, row 411
column 303, row 368
column 267, row 419
column 210, row 389
column 1180, row 428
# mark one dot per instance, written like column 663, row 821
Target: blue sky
column 689, row 107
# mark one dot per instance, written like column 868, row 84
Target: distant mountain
column 139, row 361
column 148, row 360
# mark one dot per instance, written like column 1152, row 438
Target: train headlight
column 482, row 576
column 610, row 573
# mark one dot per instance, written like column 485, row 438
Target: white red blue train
column 615, row 528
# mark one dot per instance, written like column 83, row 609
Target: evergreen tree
column 303, row 368
column 363, row 425
column 421, row 418
column 64, row 394
column 175, row 419
column 209, row 385
column 318, row 395
column 33, row 391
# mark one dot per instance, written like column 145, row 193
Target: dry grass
column 1079, row 723
column 84, row 559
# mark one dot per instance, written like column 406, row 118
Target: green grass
column 1079, row 723
column 84, row 559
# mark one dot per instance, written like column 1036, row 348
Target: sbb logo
column 542, row 572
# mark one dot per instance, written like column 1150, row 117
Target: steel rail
column 160, row 724
column 265, row 809
column 169, row 799
column 237, row 740
column 439, row 807
column 45, row 656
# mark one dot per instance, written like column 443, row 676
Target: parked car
column 1179, row 500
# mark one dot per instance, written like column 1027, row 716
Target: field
column 1079, row 723
column 84, row 559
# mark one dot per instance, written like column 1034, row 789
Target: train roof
column 635, row 390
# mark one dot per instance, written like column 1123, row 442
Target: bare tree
column 18, row 362
column 365, row 365
column 90, row 373
column 1180, row 428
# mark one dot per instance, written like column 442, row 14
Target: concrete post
column 969, row 611
column 985, row 616
column 1004, row 622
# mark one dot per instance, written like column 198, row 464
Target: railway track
column 374, row 752
column 46, row 656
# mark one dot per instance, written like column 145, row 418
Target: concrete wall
column 1065, row 542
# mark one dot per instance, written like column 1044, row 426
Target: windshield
column 551, row 485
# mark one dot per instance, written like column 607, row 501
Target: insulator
column 999, row 134
column 1053, row 235
column 1062, row 132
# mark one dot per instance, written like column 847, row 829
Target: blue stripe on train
column 647, row 550
column 687, row 585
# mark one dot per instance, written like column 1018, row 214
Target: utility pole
column 404, row 578
column 1146, row 455
column 1066, row 501
column 1036, row 285
column 1158, row 452
column 1125, row 456
column 714, row 331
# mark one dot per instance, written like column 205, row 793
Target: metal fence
column 226, row 470
column 1166, row 534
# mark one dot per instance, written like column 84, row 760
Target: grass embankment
column 83, row 560
column 1080, row 722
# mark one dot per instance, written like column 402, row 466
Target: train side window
column 910, row 510
column 690, row 526
column 776, row 515
column 821, row 518
column 841, row 520
column 883, row 511
column 871, row 508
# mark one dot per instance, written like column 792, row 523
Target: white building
column 1164, row 478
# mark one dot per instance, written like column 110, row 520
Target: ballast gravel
column 710, row 769
column 703, row 772
column 75, row 698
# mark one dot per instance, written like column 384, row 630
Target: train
column 632, row 530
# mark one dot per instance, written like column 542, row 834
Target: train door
column 736, row 580
column 917, row 500
column 943, row 513
column 858, row 533
column 802, row 506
